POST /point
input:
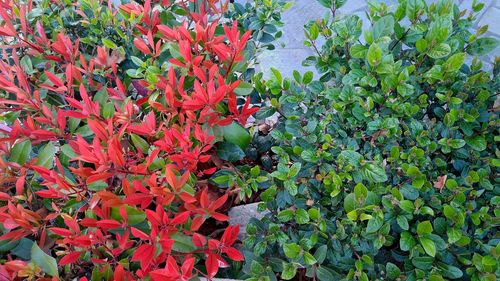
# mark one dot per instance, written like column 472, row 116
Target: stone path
column 290, row 56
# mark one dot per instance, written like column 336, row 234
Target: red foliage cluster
column 148, row 152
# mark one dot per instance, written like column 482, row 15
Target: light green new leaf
column 374, row 55
column 429, row 246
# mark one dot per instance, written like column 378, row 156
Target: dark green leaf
column 47, row 263
column 230, row 152
column 20, row 152
column 482, row 46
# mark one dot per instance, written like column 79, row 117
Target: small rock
column 241, row 215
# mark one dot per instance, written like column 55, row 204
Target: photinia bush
column 108, row 125
column 387, row 167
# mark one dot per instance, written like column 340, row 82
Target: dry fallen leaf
column 439, row 184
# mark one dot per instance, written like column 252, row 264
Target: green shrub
column 386, row 168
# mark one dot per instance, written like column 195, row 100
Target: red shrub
column 103, row 179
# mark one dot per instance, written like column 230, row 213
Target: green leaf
column 289, row 271
column 374, row 55
column 350, row 202
column 374, row 224
column 477, row 143
column 46, row 155
column 413, row 9
column 235, row 133
column 309, row 259
column 98, row 185
column 309, row 156
column 285, row 215
column 182, row 243
column 320, row 253
column 441, row 50
column 456, row 143
column 243, row 89
column 294, row 169
column 423, row 263
column 108, row 43
column 324, row 274
column 277, row 75
column 68, row 151
column 403, row 222
column 135, row 216
column 360, row 191
column 358, row 51
column 406, row 242
column 20, row 152
column 326, row 3
column 482, row 46
column 454, row 62
column 424, row 227
column 23, row 248
column 308, row 77
column 292, row 250
column 429, row 246
column 393, row 271
column 450, row 271
column 453, row 235
column 301, row 216
column 140, row 143
column 352, row 157
column 374, row 173
column 47, row 263
column 230, row 152
column 383, row 27
column 421, row 45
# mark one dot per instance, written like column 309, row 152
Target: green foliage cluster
column 387, row 167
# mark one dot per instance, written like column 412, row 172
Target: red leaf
column 142, row 46
column 212, row 265
column 20, row 185
column 204, row 199
column 54, row 79
column 233, row 254
column 139, row 234
column 61, row 231
column 180, row 218
column 119, row 274
column 199, row 240
column 218, row 203
column 108, row 224
column 230, row 235
column 145, row 254
column 69, row 258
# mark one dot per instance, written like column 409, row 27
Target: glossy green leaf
column 47, row 263
column 20, row 152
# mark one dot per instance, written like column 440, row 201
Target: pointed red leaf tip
column 212, row 265
column 141, row 45
column 119, row 274
column 108, row 224
column 199, row 240
column 144, row 254
column 172, row 272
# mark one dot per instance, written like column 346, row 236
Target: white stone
column 241, row 215
column 285, row 60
